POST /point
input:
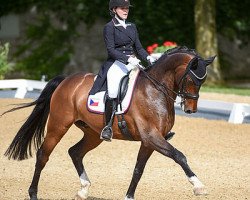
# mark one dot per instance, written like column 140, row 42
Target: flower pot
column 156, row 55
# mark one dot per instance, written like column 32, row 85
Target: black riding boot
column 110, row 109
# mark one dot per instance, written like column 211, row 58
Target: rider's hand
column 151, row 59
column 133, row 61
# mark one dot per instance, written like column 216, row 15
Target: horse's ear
column 210, row 60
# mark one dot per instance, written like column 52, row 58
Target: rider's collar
column 119, row 22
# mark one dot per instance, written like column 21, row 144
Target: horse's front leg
column 142, row 158
column 165, row 148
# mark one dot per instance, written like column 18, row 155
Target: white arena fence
column 22, row 86
column 238, row 111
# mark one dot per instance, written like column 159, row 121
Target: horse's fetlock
column 33, row 193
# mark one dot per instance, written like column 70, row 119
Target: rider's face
column 122, row 12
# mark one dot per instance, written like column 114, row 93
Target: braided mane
column 179, row 49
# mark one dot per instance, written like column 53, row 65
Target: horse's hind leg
column 90, row 141
column 163, row 147
column 55, row 131
column 142, row 158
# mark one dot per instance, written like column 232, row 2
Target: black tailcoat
column 120, row 44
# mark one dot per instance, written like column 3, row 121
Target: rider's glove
column 133, row 61
column 151, row 59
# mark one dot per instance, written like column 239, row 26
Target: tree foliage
column 48, row 43
column 159, row 21
column 4, row 65
column 233, row 19
column 49, row 37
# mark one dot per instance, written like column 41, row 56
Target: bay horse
column 179, row 72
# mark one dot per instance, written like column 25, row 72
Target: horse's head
column 189, row 79
column 183, row 70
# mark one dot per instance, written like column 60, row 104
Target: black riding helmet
column 118, row 3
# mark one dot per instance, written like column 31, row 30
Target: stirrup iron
column 109, row 135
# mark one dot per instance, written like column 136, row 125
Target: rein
column 181, row 93
column 160, row 86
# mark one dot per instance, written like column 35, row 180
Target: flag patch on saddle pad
column 96, row 102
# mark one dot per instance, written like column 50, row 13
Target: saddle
column 96, row 102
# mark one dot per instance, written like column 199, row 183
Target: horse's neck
column 165, row 71
column 165, row 77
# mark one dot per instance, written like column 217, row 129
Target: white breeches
column 114, row 76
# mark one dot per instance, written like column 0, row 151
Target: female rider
column 123, row 47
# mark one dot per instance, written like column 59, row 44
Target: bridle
column 182, row 85
column 183, row 89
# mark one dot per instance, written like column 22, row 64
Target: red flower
column 155, row 48
column 151, row 48
column 155, row 45
column 169, row 43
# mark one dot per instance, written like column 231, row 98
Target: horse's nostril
column 188, row 112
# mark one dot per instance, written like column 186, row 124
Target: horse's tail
column 33, row 128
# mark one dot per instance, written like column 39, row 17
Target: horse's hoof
column 81, row 195
column 77, row 197
column 200, row 191
column 128, row 198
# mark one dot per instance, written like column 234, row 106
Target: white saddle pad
column 96, row 102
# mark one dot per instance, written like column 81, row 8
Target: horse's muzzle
column 189, row 106
column 189, row 111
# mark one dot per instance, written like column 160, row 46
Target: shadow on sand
column 89, row 198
